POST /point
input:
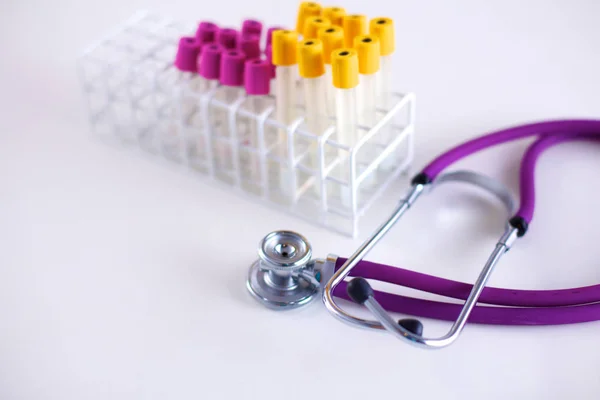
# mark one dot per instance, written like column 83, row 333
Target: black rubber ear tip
column 359, row 290
column 412, row 325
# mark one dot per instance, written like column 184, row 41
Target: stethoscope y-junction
column 286, row 276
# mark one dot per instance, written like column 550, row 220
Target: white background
column 113, row 286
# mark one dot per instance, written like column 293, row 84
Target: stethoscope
column 286, row 275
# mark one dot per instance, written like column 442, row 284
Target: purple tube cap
column 269, row 54
column 228, row 38
column 270, row 33
column 210, row 62
column 207, row 32
column 232, row 68
column 188, row 51
column 257, row 77
column 250, row 46
column 252, row 26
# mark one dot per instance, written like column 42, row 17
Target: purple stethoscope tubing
column 509, row 307
column 563, row 130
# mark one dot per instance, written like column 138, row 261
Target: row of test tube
column 301, row 119
column 334, row 68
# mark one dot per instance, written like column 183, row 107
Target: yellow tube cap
column 335, row 15
column 310, row 58
column 383, row 28
column 312, row 26
column 367, row 47
column 354, row 25
column 344, row 68
column 283, row 47
column 306, row 9
column 333, row 39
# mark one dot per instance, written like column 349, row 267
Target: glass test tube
column 231, row 77
column 252, row 27
column 353, row 25
column 228, row 38
column 199, row 152
column 284, row 47
column 207, row 32
column 312, row 25
column 312, row 71
column 335, row 15
column 257, row 77
column 345, row 79
column 383, row 28
column 188, row 80
column 367, row 47
column 332, row 39
column 250, row 45
column 305, row 10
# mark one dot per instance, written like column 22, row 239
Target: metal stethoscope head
column 286, row 277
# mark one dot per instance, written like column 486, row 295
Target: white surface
column 123, row 279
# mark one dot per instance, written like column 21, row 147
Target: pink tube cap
column 232, row 68
column 257, row 77
column 228, row 38
column 270, row 33
column 250, row 46
column 187, row 54
column 252, row 27
column 210, row 62
column 269, row 54
column 207, row 32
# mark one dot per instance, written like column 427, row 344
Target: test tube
column 312, row 26
column 188, row 50
column 344, row 64
column 257, row 77
column 354, row 25
column 232, row 74
column 210, row 65
column 252, row 27
column 367, row 47
column 228, row 38
column 335, row 15
column 250, row 45
column 231, row 78
column 284, row 49
column 383, row 28
column 207, row 32
column 305, row 10
column 332, row 39
column 312, row 71
column 208, row 69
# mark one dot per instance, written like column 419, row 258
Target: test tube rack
column 137, row 99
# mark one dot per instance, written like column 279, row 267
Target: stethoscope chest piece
column 284, row 275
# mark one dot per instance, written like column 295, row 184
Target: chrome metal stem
column 386, row 320
column 359, row 254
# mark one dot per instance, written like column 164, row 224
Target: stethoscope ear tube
column 571, row 128
column 519, row 307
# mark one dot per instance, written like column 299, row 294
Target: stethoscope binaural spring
column 280, row 280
